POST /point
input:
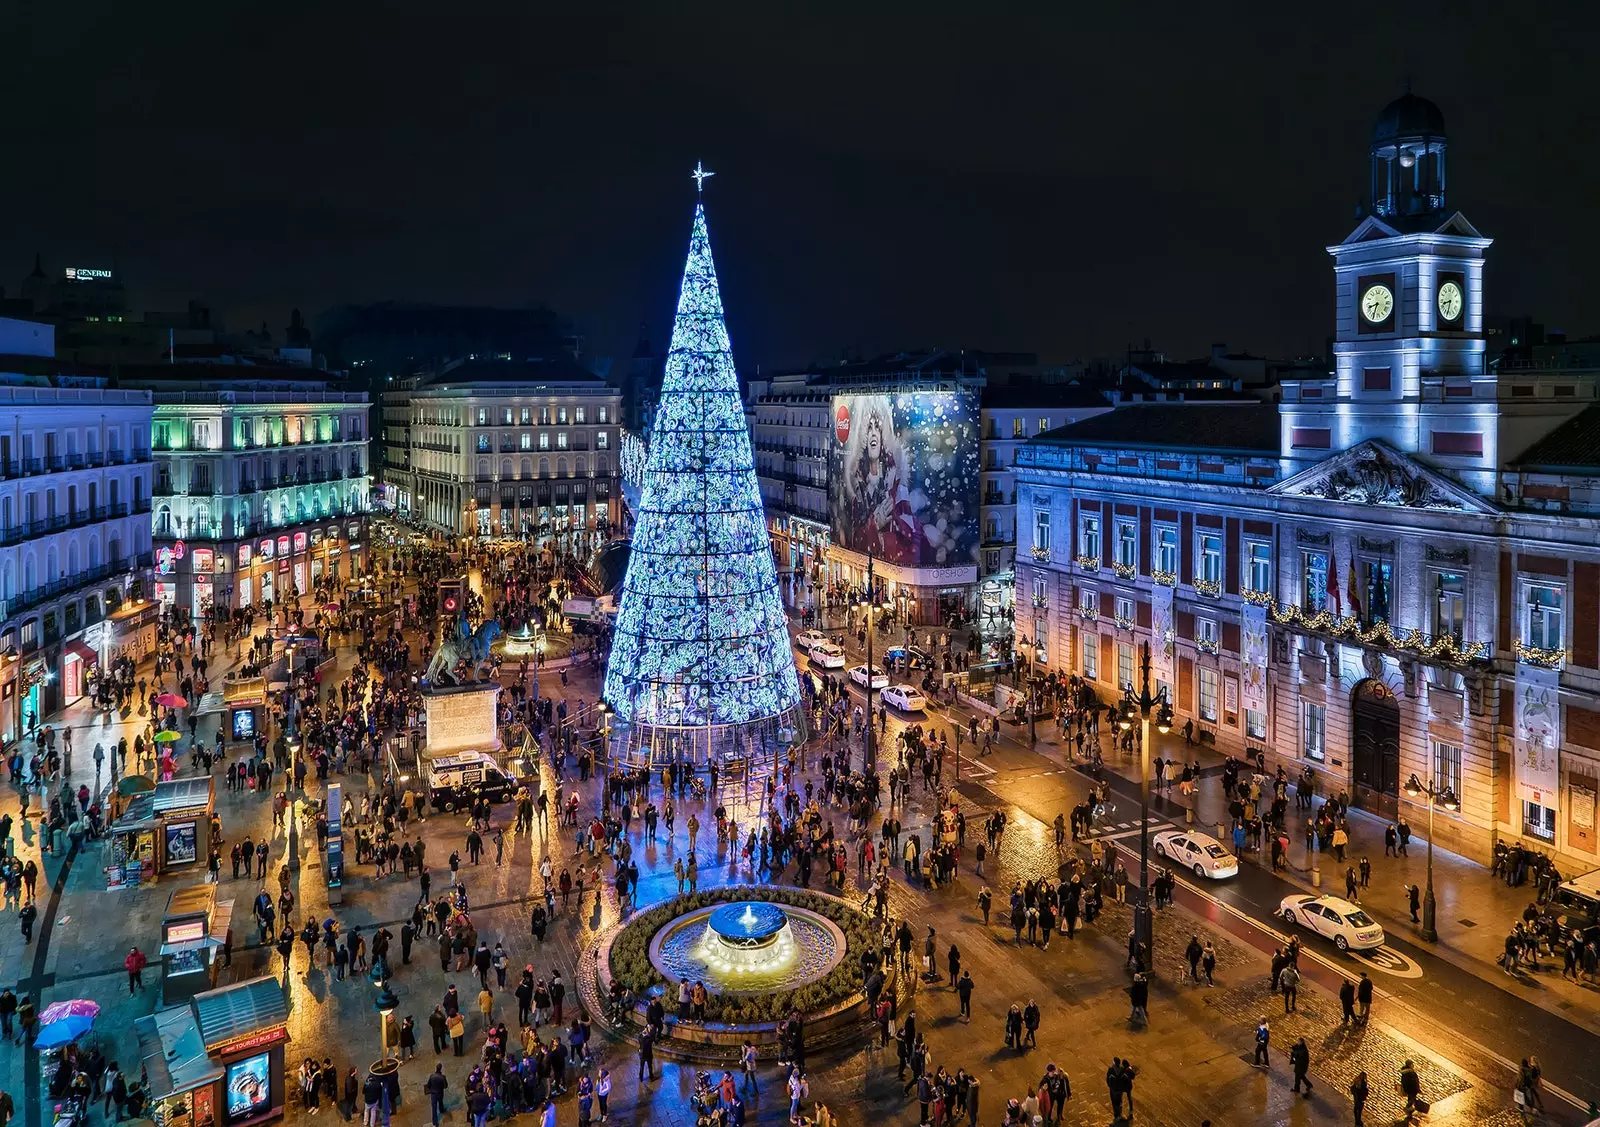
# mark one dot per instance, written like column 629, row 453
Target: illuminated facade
column 1393, row 573
column 74, row 524
column 261, row 486
column 516, row 448
column 701, row 642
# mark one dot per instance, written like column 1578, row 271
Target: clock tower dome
column 1409, row 340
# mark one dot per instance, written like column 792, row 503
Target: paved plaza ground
column 1194, row 1057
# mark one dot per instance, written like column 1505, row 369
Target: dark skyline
column 886, row 176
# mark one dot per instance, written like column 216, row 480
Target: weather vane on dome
column 700, row 174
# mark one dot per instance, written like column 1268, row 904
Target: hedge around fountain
column 631, row 965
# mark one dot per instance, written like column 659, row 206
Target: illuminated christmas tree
column 700, row 640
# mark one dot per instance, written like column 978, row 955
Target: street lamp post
column 1437, row 796
column 866, row 754
column 1141, row 708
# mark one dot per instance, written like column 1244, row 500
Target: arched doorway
column 1375, row 747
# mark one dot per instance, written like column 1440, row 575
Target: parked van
column 454, row 780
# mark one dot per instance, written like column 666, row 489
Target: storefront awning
column 82, row 650
column 209, row 703
column 183, row 794
column 174, row 1055
column 241, row 1009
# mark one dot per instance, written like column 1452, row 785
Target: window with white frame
column 1089, row 536
column 1127, row 543
column 1088, row 600
column 1091, row 655
column 1538, row 821
column 1544, row 624
column 1124, row 666
column 1449, row 604
column 1205, row 631
column 1044, row 425
column 1258, row 567
column 1314, row 730
column 1314, row 582
column 1255, row 724
column 1018, row 428
column 1210, row 553
column 1447, row 766
column 1206, row 680
column 1041, row 530
column 1167, row 550
column 1124, row 610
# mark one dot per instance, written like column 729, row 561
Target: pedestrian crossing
column 1116, row 831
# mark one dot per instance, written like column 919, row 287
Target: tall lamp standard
column 1140, row 709
column 866, row 754
column 1437, row 796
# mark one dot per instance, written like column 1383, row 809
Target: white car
column 827, row 655
column 905, row 698
column 1341, row 921
column 1200, row 853
column 810, row 638
column 880, row 679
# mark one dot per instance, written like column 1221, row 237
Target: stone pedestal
column 462, row 719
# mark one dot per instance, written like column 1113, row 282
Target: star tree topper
column 700, row 175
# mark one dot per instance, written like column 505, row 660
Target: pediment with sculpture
column 1375, row 474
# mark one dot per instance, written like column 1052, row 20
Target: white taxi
column 905, row 698
column 1202, row 854
column 1338, row 919
column 808, row 638
column 827, row 655
column 880, row 679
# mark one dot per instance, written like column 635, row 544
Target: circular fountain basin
column 750, row 925
column 748, row 947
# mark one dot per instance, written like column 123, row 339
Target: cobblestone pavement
column 1193, row 1058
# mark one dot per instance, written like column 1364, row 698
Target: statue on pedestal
column 462, row 645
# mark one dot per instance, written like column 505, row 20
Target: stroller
column 704, row 1099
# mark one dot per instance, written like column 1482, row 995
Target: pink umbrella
column 171, row 700
column 77, row 1007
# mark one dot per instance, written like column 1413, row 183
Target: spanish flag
column 1353, row 592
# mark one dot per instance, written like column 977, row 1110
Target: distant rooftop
column 1042, row 396
column 560, row 370
column 1248, row 429
column 1575, row 444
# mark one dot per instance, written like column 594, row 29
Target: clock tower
column 1409, row 339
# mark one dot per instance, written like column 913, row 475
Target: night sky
column 887, row 175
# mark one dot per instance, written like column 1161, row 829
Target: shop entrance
column 1375, row 747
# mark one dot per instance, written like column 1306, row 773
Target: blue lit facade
column 701, row 639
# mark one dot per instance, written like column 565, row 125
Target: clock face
column 1377, row 303
column 1450, row 301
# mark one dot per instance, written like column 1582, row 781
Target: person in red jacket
column 134, row 964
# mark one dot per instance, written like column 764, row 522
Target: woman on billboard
column 877, row 504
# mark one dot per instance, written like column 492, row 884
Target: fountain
column 748, row 946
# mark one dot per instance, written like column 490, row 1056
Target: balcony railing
column 38, row 596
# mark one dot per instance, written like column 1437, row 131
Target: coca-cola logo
column 841, row 423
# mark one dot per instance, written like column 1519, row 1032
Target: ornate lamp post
column 1141, row 709
column 1437, row 796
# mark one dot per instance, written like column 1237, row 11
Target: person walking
column 134, row 964
column 1263, row 1039
column 1364, row 997
column 1358, row 1097
column 1347, row 1002
column 1300, row 1062
column 964, row 988
column 1289, row 983
column 435, row 1086
column 1411, row 1088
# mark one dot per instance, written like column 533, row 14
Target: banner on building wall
column 1163, row 637
column 1253, row 657
column 1538, row 735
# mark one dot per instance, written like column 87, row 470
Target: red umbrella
column 171, row 700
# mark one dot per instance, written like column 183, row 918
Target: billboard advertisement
column 903, row 477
